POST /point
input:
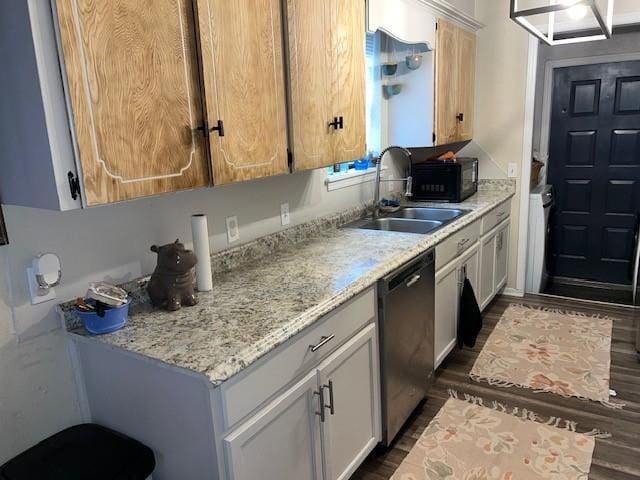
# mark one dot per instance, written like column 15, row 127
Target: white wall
column 466, row 6
column 501, row 69
column 37, row 393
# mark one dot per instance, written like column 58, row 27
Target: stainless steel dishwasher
column 406, row 316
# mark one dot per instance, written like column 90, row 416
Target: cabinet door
column 282, row 440
column 487, row 265
column 135, row 96
column 310, row 72
column 349, row 379
column 502, row 256
column 327, row 72
column 470, row 266
column 447, row 300
column 244, row 81
column 446, row 101
column 348, row 85
column 466, row 64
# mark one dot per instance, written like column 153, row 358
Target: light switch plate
column 512, row 171
column 284, row 214
column 233, row 232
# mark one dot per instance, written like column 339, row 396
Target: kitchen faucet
column 409, row 179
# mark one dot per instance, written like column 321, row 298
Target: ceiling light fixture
column 554, row 33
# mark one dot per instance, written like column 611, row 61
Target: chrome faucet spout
column 409, row 179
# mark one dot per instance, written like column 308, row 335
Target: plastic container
column 361, row 164
column 114, row 318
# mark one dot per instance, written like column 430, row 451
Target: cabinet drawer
column 456, row 244
column 246, row 392
column 495, row 216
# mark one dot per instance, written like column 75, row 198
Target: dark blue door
column 594, row 166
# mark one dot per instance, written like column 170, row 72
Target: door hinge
column 207, row 130
column 74, row 185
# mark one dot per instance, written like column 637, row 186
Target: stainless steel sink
column 421, row 220
column 428, row 213
column 402, row 225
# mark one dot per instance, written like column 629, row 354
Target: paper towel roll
column 200, row 231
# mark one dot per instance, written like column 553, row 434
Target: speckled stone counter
column 265, row 300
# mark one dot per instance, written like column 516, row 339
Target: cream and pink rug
column 466, row 441
column 548, row 351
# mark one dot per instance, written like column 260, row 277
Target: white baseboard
column 513, row 292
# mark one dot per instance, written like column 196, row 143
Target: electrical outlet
column 512, row 171
column 284, row 214
column 233, row 232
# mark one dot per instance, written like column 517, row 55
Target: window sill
column 336, row 181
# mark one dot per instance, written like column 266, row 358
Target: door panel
column 348, row 45
column 487, row 263
column 446, row 102
column 135, row 94
column 502, row 257
column 244, row 82
column 466, row 82
column 310, row 71
column 352, row 430
column 446, row 321
column 282, row 440
column 594, row 165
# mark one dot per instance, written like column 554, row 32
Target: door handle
column 331, row 404
column 413, row 280
column 323, row 341
column 337, row 124
column 460, row 117
column 320, row 394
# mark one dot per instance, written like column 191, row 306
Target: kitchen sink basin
column 428, row 213
column 421, row 220
column 402, row 225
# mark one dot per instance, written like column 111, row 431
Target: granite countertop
column 262, row 302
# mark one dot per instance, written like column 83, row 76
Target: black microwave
column 450, row 181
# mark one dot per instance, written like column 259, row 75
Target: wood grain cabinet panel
column 455, row 83
column 243, row 69
column 348, row 45
column 326, row 73
column 134, row 89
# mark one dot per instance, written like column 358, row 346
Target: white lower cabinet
column 448, row 287
column 323, row 427
column 494, row 255
column 502, row 256
column 352, row 404
column 282, row 440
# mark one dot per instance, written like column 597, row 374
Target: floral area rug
column 549, row 351
column 467, row 441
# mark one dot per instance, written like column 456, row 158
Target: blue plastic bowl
column 114, row 319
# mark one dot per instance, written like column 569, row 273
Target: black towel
column 470, row 318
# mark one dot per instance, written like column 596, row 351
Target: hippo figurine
column 172, row 282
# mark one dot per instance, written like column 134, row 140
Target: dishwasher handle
column 413, row 280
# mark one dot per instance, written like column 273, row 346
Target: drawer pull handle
column 323, row 341
column 320, row 394
column 331, row 405
column 413, row 280
column 501, row 214
column 462, row 243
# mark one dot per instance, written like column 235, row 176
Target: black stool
column 83, row 452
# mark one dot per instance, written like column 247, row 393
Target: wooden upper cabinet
column 327, row 81
column 466, row 82
column 455, row 83
column 243, row 68
column 348, row 93
column 135, row 96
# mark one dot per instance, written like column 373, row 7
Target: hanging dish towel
column 470, row 318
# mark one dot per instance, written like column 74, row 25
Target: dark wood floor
column 615, row 458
